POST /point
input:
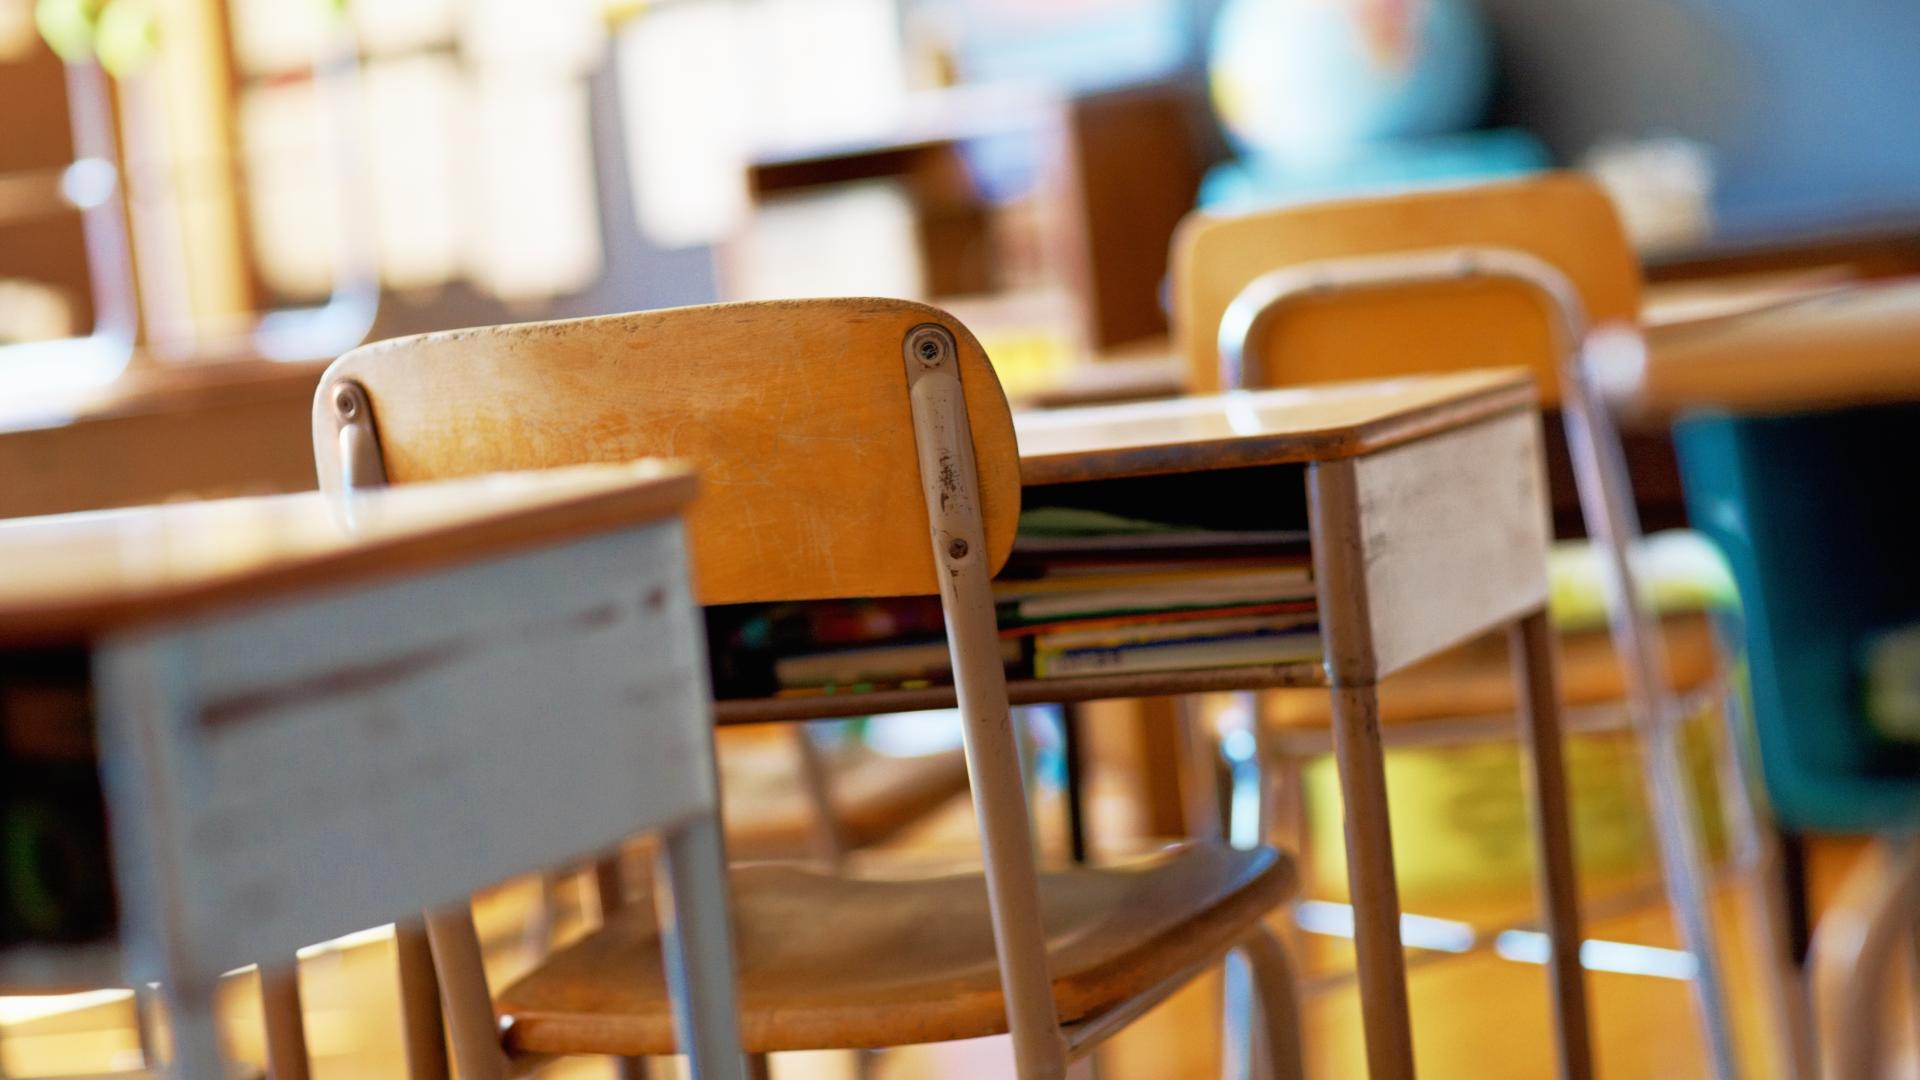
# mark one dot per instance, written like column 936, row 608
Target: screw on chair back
column 834, row 440
column 1414, row 283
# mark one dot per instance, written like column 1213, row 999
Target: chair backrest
column 794, row 412
column 846, row 448
column 1561, row 219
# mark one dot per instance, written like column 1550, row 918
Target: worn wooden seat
column 924, row 946
column 1476, row 679
column 771, row 813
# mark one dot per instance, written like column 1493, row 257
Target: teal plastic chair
column 1812, row 512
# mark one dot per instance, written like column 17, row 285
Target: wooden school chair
column 1793, row 423
column 1517, row 273
column 847, row 448
column 1801, row 504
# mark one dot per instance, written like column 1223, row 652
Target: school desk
column 1425, row 501
column 304, row 703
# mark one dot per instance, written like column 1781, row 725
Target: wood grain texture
column 1266, row 427
column 72, row 576
column 1561, row 218
column 1855, row 346
column 923, row 946
column 1452, row 543
column 794, row 412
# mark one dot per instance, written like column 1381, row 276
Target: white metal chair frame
column 1607, row 504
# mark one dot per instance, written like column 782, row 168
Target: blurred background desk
column 158, row 849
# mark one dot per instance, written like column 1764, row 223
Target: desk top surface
column 1261, row 427
column 1854, row 346
column 67, row 577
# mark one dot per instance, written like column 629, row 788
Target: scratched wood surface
column 317, row 765
column 795, row 413
column 820, row 952
column 1265, row 427
column 70, row 576
column 1561, row 218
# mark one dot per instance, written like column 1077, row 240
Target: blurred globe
column 1309, row 80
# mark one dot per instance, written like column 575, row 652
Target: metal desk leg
column 1073, row 750
column 1530, row 642
column 1379, row 958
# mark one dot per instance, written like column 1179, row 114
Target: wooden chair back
column 795, row 413
column 846, row 448
column 1561, row 219
column 1523, row 273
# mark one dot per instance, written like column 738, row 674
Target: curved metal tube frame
column 1607, row 505
column 1860, row 939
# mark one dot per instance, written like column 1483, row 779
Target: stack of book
column 1084, row 593
column 1091, row 593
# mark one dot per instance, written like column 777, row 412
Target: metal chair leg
column 1761, row 858
column 1271, row 1047
column 537, row 937
column 422, row 1028
column 816, row 783
column 1203, row 783
column 1854, row 951
column 1073, row 751
column 696, row 937
column 1607, row 505
column 286, row 1035
column 1250, row 810
column 148, row 1025
column 196, row 1035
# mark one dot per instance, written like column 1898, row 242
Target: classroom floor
column 1478, row 1015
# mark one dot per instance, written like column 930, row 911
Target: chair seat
column 1476, row 679
column 874, row 796
column 832, row 962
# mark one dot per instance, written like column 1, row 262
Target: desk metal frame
column 1609, row 509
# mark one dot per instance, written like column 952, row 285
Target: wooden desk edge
column 515, row 529
column 1291, row 448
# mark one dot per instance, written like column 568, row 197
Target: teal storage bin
column 1814, row 513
